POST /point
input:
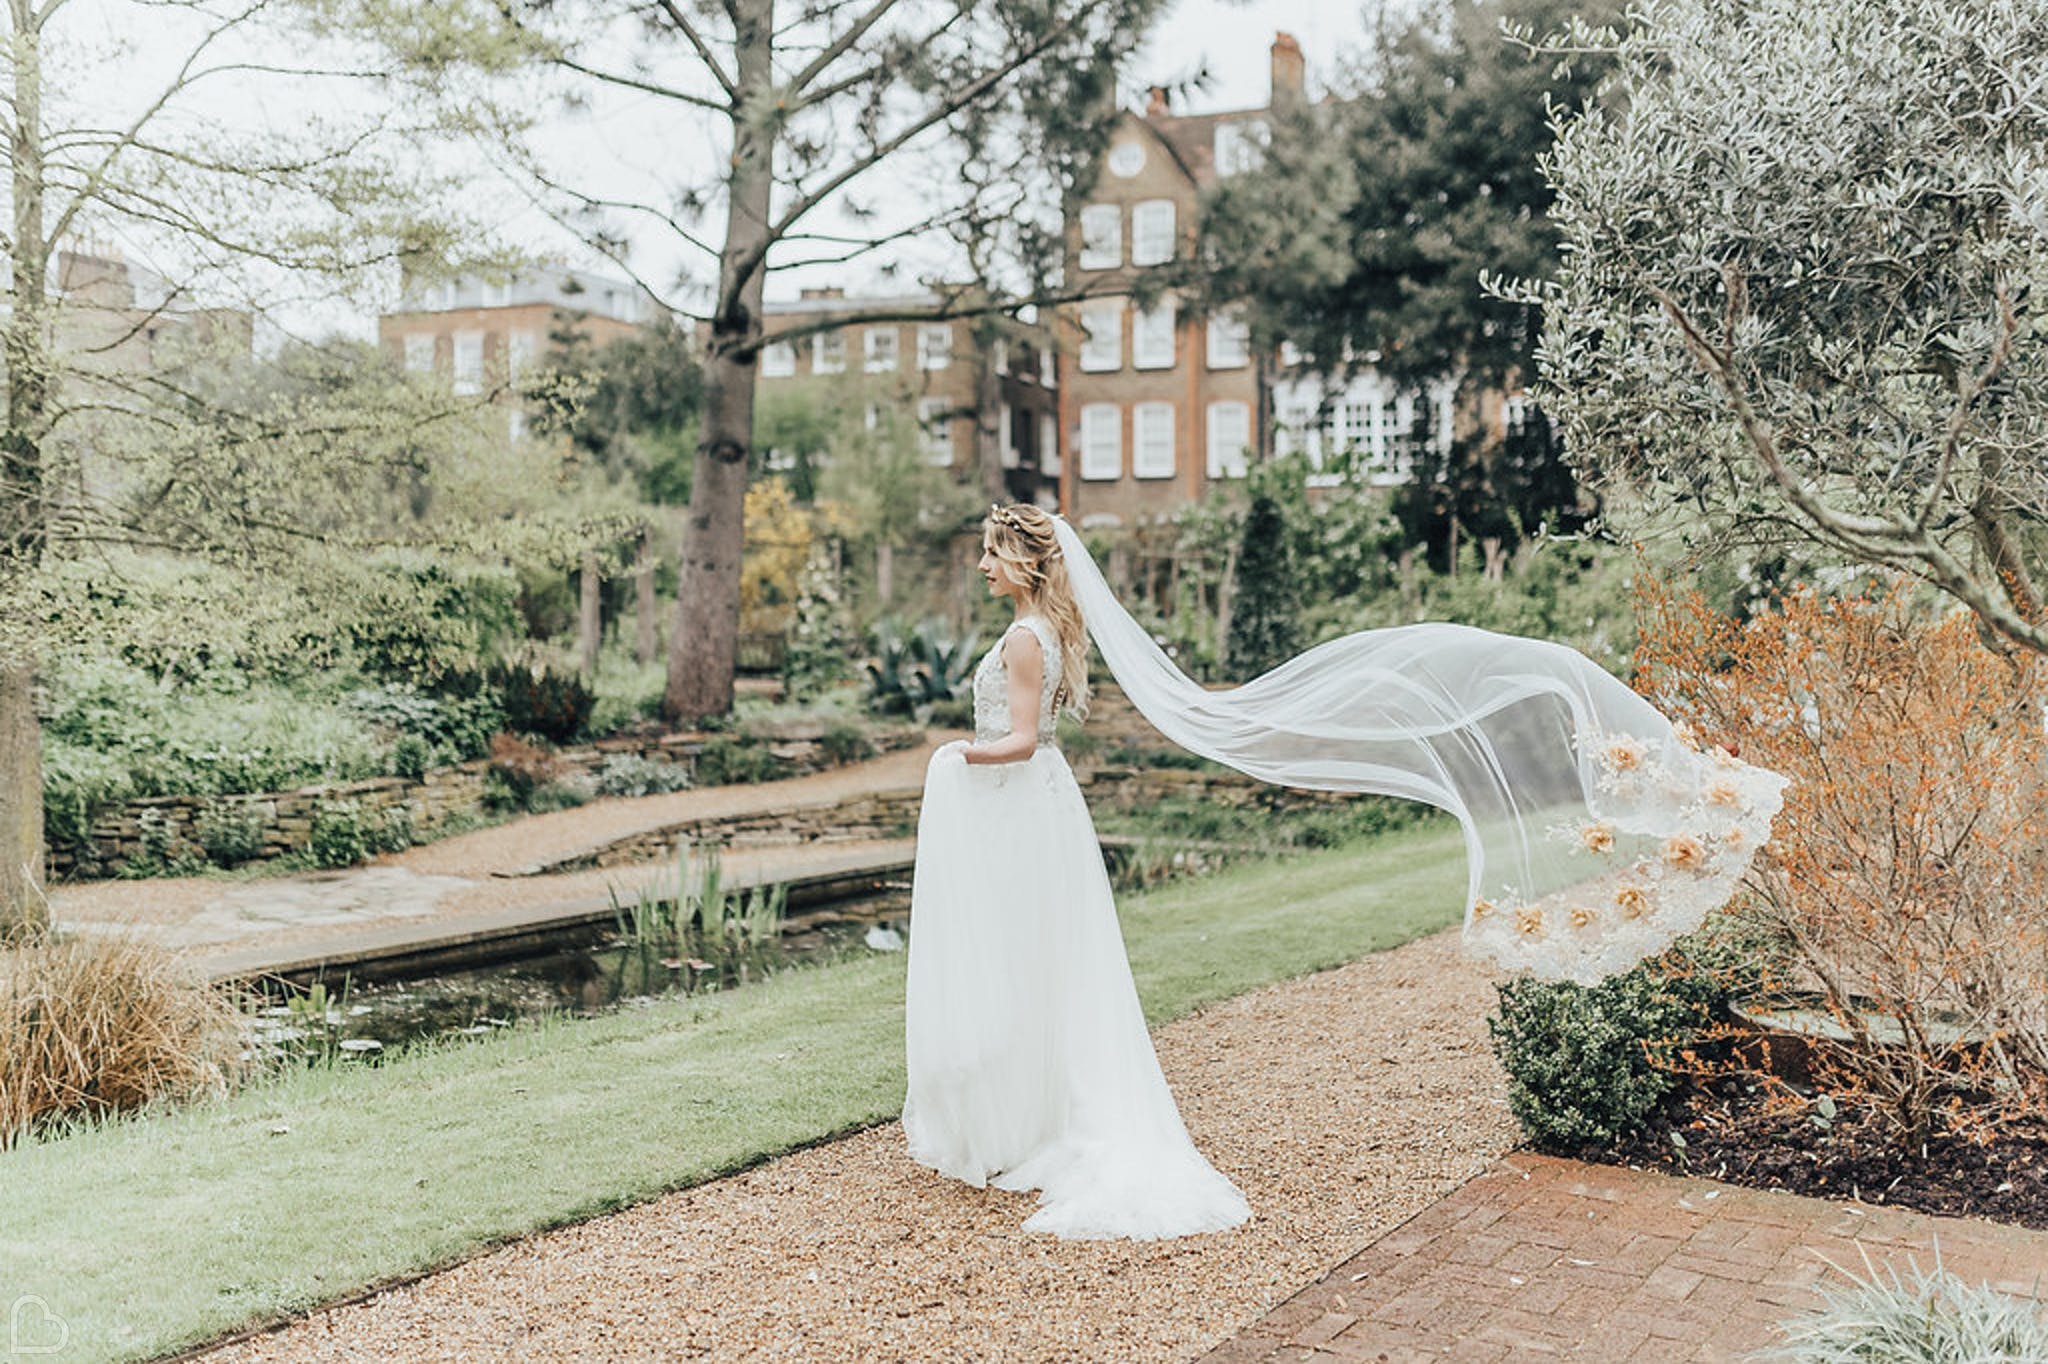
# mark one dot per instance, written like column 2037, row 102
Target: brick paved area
column 1552, row 1259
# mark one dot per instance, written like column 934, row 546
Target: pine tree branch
column 841, row 45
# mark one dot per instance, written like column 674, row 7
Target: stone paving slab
column 1540, row 1258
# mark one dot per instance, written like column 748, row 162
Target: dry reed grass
column 104, row 1024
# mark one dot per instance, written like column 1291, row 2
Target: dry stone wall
column 282, row 821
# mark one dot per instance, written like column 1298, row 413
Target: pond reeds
column 691, row 931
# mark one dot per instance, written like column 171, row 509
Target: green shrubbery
column 345, row 833
column 443, row 729
column 816, row 655
column 542, row 701
column 626, row 691
column 416, row 618
column 1587, row 1064
column 1271, row 823
column 1577, row 592
column 912, row 673
column 1265, row 617
column 230, row 832
column 727, row 760
column 113, row 732
column 629, row 774
column 846, row 742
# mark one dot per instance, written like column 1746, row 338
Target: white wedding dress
column 1030, row 1066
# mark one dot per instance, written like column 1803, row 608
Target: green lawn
column 151, row 1235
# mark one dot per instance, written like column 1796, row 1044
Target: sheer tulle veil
column 1596, row 831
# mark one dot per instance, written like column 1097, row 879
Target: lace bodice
column 992, row 683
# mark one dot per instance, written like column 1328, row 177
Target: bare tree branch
column 1959, row 419
column 952, row 304
column 637, row 83
column 1719, row 365
column 843, row 44
column 956, row 100
column 874, row 72
column 704, row 53
column 1880, row 540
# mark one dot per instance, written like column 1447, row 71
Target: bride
column 1597, row 832
column 1030, row 1064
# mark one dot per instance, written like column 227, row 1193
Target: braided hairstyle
column 1021, row 535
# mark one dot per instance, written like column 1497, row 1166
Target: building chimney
column 1156, row 105
column 1288, row 68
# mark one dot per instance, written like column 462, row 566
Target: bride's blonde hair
column 1021, row 535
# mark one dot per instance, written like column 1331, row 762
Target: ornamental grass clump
column 1927, row 1318
column 98, row 1025
column 1904, row 877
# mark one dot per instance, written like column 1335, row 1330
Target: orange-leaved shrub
column 95, row 1025
column 1907, row 877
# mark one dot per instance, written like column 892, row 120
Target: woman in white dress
column 1030, row 1066
column 1597, row 832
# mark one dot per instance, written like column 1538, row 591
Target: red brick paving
column 1541, row 1258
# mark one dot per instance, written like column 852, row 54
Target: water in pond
column 368, row 1020
column 582, row 978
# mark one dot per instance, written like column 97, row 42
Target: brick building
column 113, row 319
column 937, row 369
column 1158, row 405
column 117, row 317
column 479, row 332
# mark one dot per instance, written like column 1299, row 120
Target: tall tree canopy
column 132, row 422
column 1365, row 235
column 1805, row 249
column 836, row 130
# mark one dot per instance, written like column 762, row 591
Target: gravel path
column 1341, row 1103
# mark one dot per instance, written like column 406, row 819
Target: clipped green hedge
column 1589, row 1064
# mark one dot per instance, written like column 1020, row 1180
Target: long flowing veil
column 1596, row 831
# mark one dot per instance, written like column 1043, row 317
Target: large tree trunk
column 589, row 614
column 701, row 648
column 22, row 526
column 22, row 907
column 643, row 600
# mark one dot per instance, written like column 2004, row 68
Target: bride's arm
column 1024, row 663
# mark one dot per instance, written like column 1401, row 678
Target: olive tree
column 1803, row 246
